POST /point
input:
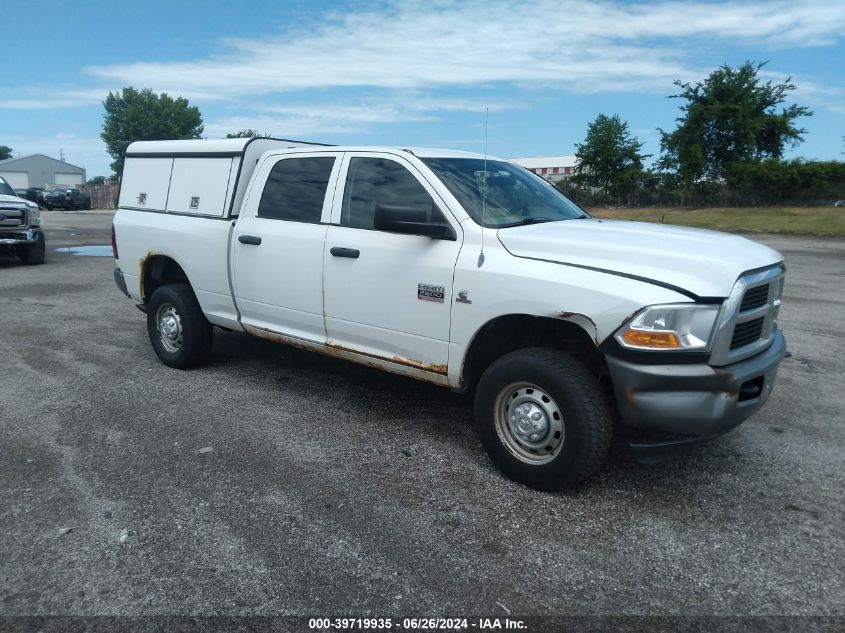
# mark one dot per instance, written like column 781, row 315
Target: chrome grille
column 748, row 320
column 12, row 217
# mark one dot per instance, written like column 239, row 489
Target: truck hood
column 14, row 200
column 702, row 263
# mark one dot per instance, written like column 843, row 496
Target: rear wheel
column 543, row 418
column 179, row 332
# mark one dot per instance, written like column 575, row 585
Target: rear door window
column 296, row 189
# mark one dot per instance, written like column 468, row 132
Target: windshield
column 510, row 194
column 5, row 189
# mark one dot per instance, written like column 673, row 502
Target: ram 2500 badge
column 457, row 269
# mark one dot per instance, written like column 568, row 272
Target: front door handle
column 338, row 251
column 249, row 239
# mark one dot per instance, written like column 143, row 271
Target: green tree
column 5, row 152
column 97, row 180
column 609, row 159
column 731, row 117
column 142, row 115
column 246, row 133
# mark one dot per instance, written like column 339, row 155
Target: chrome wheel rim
column 529, row 423
column 169, row 325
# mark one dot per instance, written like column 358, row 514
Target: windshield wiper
column 524, row 221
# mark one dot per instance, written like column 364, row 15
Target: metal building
column 552, row 168
column 39, row 170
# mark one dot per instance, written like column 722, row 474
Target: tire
column 569, row 439
column 188, row 342
column 33, row 254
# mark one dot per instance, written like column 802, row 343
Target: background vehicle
column 457, row 269
column 69, row 199
column 20, row 227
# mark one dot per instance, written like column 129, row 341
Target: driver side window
column 380, row 181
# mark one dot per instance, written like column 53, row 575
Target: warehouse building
column 552, row 168
column 39, row 170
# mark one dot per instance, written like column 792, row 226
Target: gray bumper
column 697, row 400
column 19, row 237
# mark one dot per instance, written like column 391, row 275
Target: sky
column 417, row 73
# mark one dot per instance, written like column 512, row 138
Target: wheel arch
column 507, row 333
column 157, row 270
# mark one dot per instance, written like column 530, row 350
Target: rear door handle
column 339, row 251
column 249, row 239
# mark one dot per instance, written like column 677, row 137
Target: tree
column 609, row 159
column 729, row 118
column 97, row 180
column 5, row 152
column 246, row 133
column 142, row 115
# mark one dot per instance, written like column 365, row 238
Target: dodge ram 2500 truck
column 457, row 269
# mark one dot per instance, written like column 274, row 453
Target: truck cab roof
column 238, row 146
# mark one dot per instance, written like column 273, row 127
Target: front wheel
column 35, row 253
column 179, row 332
column 543, row 418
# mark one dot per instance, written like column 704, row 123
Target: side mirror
column 411, row 220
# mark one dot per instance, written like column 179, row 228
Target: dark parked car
column 33, row 194
column 67, row 199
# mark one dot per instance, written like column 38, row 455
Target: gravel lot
column 334, row 489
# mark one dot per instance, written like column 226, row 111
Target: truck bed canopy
column 196, row 177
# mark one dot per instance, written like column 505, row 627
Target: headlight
column 34, row 216
column 683, row 326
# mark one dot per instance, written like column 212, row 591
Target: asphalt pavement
column 274, row 481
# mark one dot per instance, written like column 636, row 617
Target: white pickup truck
column 457, row 269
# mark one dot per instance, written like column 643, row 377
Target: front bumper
column 695, row 400
column 19, row 237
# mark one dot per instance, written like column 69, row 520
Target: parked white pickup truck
column 460, row 270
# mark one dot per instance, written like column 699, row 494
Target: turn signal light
column 645, row 338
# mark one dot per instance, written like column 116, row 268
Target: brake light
column 113, row 242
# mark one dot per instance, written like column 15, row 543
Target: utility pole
column 61, row 155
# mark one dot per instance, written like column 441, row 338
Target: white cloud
column 427, row 49
column 38, row 98
column 587, row 46
column 337, row 118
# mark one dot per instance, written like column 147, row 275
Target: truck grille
column 12, row 217
column 748, row 332
column 754, row 298
column 748, row 321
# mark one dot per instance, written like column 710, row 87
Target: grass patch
column 822, row 221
